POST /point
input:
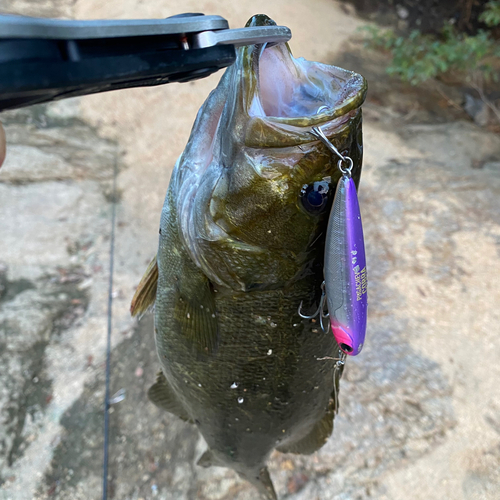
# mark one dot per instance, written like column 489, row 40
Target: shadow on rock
column 32, row 315
column 149, row 449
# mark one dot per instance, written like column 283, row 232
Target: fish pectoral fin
column 196, row 315
column 315, row 439
column 162, row 395
column 145, row 295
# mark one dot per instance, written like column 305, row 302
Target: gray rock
column 32, row 315
column 54, row 218
column 477, row 109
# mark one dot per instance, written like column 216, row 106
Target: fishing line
column 317, row 132
column 108, row 341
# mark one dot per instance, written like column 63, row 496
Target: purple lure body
column 345, row 269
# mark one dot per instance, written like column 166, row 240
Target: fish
column 241, row 245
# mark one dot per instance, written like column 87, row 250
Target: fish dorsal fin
column 162, row 395
column 145, row 295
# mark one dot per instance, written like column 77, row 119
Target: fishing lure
column 345, row 264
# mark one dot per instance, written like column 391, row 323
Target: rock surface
column 419, row 408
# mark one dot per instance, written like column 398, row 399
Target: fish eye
column 314, row 197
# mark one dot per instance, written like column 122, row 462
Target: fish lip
column 345, row 92
column 353, row 101
column 343, row 98
column 278, row 134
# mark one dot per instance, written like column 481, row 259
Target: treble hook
column 338, row 365
column 319, row 312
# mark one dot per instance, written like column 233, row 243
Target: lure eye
column 314, row 197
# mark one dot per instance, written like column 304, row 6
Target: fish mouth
column 288, row 95
column 297, row 91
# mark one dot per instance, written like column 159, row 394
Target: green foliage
column 491, row 14
column 418, row 57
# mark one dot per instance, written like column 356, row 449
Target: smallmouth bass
column 242, row 241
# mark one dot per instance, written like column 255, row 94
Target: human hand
column 2, row 144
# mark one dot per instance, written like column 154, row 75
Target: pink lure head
column 344, row 339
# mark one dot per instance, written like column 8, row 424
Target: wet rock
column 492, row 167
column 30, row 318
column 42, row 8
column 3, row 278
column 51, row 143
